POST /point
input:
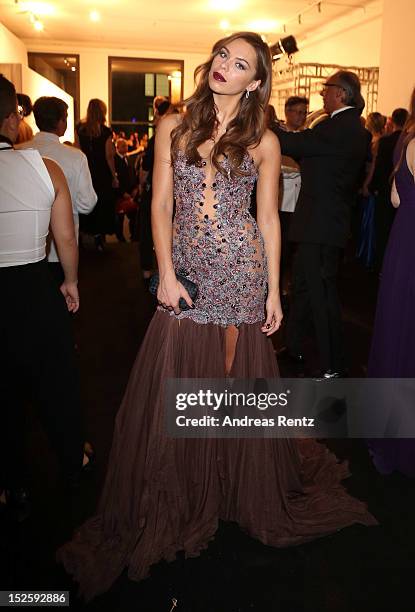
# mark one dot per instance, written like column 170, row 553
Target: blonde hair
column 375, row 123
column 95, row 117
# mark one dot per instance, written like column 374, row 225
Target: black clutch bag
column 191, row 288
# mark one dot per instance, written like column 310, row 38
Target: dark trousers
column 315, row 294
column 57, row 273
column 286, row 250
column 37, row 361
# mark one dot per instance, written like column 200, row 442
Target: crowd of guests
column 109, row 178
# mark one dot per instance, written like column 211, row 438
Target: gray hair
column 350, row 83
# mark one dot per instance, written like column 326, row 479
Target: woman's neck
column 227, row 109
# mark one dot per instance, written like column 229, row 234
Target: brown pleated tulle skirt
column 165, row 495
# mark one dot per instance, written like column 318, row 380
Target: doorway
column 133, row 84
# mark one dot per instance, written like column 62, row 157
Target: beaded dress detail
column 217, row 243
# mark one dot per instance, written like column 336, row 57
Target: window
column 133, row 85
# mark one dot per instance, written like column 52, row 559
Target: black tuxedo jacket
column 123, row 172
column 331, row 157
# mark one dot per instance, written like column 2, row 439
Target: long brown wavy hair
column 200, row 120
column 408, row 132
column 95, row 117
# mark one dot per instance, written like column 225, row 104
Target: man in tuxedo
column 331, row 157
column 380, row 184
column 125, row 189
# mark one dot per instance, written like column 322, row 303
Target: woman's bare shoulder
column 269, row 141
column 268, row 148
column 55, row 172
column 169, row 123
column 410, row 155
column 411, row 145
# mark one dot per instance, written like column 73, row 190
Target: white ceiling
column 168, row 25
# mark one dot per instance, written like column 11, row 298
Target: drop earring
column 247, row 94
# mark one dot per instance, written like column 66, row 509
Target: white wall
column 350, row 41
column 35, row 85
column 93, row 66
column 353, row 40
column 397, row 76
column 12, row 50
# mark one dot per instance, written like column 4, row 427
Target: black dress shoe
column 284, row 354
column 329, row 374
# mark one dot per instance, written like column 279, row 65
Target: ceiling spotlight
column 224, row 24
column 94, row 16
column 285, row 46
column 38, row 25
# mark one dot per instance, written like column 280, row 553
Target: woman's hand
column 169, row 293
column 274, row 315
column 71, row 295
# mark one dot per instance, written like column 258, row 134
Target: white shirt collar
column 46, row 136
column 340, row 110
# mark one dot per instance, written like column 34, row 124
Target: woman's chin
column 216, row 86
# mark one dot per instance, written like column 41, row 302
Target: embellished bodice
column 217, row 243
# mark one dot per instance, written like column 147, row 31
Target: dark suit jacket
column 123, row 172
column 381, row 182
column 331, row 157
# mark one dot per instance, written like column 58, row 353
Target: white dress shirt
column 26, row 198
column 74, row 165
column 340, row 110
column 290, row 184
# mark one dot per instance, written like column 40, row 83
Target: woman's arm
column 410, row 157
column 63, row 230
column 109, row 155
column 269, row 224
column 395, row 195
column 170, row 291
column 410, row 160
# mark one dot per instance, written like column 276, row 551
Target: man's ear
column 342, row 96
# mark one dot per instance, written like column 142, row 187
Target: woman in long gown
column 95, row 140
column 392, row 353
column 164, row 495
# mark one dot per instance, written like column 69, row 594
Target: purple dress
column 392, row 353
column 164, row 495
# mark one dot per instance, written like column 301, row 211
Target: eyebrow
column 238, row 58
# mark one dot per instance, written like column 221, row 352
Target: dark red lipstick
column 218, row 77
